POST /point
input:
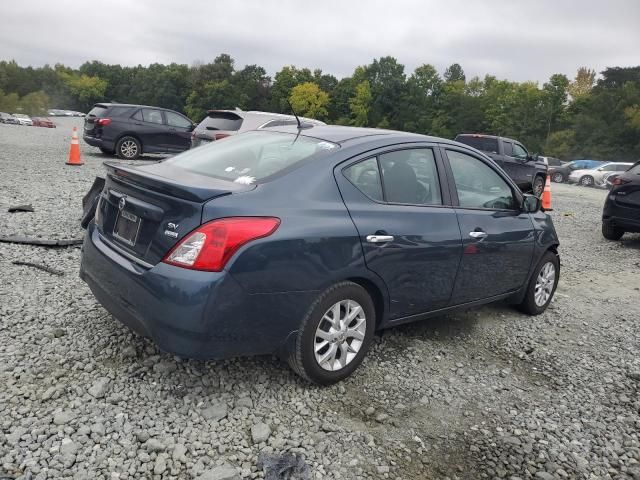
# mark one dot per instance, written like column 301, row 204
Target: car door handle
column 480, row 234
column 379, row 238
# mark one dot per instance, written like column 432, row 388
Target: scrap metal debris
column 40, row 241
column 21, row 208
column 40, row 266
column 286, row 466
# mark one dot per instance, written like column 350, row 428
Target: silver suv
column 224, row 123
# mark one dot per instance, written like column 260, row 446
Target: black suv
column 529, row 172
column 131, row 130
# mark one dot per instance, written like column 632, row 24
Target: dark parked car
column 131, row 130
column 305, row 242
column 528, row 172
column 560, row 174
column 220, row 124
column 622, row 207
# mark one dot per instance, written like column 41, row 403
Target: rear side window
column 252, row 156
column 98, row 111
column 152, row 116
column 484, row 144
column 366, row 177
column 176, row 120
column 221, row 121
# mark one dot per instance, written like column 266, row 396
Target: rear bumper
column 626, row 218
column 203, row 315
column 98, row 142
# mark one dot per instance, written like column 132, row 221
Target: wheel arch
column 376, row 295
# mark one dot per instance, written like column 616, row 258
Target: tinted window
column 635, row 169
column 138, row 115
column 519, row 151
column 117, row 111
column 366, row 177
column 176, row 120
column 478, row 185
column 221, row 121
column 410, row 176
column 554, row 162
column 508, row 148
column 252, row 156
column 152, row 116
column 623, row 168
column 97, row 111
column 485, row 144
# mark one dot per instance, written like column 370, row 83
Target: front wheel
column 586, row 181
column 542, row 285
column 557, row 177
column 128, row 148
column 538, row 186
column 334, row 335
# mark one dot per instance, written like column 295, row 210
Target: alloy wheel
column 586, row 181
column 557, row 177
column 544, row 284
column 340, row 335
column 129, row 149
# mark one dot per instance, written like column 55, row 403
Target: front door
column 150, row 128
column 497, row 237
column 408, row 230
column 179, row 131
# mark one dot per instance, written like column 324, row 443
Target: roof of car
column 482, row 135
column 342, row 134
column 107, row 105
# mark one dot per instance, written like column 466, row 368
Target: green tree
column 360, row 104
column 583, row 83
column 307, row 99
column 85, row 89
column 35, row 103
column 454, row 73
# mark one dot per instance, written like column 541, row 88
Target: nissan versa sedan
column 304, row 242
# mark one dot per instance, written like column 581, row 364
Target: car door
column 523, row 169
column 179, row 129
column 408, row 230
column 497, row 237
column 150, row 127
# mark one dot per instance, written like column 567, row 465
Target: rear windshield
column 484, row 144
column 221, row 121
column 251, row 157
column 97, row 111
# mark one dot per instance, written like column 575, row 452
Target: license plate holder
column 127, row 227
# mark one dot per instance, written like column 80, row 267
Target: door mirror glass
column 531, row 204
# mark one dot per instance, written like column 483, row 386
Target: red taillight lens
column 219, row 136
column 210, row 246
column 619, row 181
column 102, row 121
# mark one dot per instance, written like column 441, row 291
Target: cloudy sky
column 513, row 39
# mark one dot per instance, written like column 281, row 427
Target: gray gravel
column 488, row 393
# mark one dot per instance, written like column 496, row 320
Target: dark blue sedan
column 304, row 242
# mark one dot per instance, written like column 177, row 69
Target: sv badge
column 171, row 230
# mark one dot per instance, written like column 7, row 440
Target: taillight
column 102, row 121
column 619, row 181
column 219, row 136
column 210, row 246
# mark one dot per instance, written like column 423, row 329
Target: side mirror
column 531, row 204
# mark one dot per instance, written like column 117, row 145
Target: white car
column 23, row 119
column 596, row 176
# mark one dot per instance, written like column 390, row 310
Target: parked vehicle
column 23, row 119
column 43, row 122
column 609, row 178
column 595, row 176
column 559, row 174
column 4, row 116
column 305, row 242
column 8, row 119
column 621, row 211
column 220, row 124
column 552, row 161
column 131, row 130
column 528, row 172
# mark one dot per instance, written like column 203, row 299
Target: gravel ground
column 489, row 393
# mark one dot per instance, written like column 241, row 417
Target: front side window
column 478, row 185
column 175, row 120
column 366, row 178
column 518, row 151
column 410, row 176
column 152, row 116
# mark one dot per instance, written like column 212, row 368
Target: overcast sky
column 513, row 39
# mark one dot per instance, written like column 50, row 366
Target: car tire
column 586, row 181
column 317, row 337
column 128, row 148
column 540, row 290
column 107, row 151
column 537, row 187
column 557, row 177
column 611, row 232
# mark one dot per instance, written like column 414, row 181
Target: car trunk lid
column 145, row 210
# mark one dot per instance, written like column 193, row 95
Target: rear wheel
column 107, row 151
column 335, row 334
column 611, row 232
column 538, row 186
column 128, row 148
column 542, row 285
column 586, row 181
column 557, row 177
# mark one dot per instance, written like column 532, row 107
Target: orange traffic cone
column 546, row 195
column 74, row 151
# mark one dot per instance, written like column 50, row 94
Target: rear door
column 179, row 131
column 408, row 230
column 497, row 238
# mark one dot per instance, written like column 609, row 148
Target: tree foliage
column 593, row 117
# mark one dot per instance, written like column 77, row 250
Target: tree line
column 583, row 117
